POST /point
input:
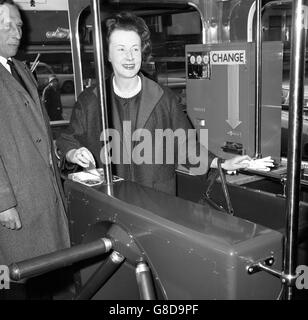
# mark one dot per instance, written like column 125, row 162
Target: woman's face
column 125, row 53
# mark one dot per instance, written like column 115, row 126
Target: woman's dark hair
column 130, row 22
column 7, row 1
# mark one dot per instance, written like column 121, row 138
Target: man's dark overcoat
column 29, row 180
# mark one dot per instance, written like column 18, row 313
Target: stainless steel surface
column 258, row 81
column 100, row 76
column 203, row 22
column 116, row 257
column 75, row 9
column 142, row 267
column 59, row 259
column 294, row 142
column 257, row 265
column 144, row 282
column 97, row 280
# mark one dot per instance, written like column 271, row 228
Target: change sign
column 228, row 57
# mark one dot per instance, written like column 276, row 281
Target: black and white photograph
column 154, row 154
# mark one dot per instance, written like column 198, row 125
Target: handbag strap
column 210, row 183
column 224, row 187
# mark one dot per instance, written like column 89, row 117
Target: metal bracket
column 283, row 181
column 263, row 265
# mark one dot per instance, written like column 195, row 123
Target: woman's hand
column 82, row 156
column 238, row 162
column 10, row 219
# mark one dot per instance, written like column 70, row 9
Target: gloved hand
column 263, row 164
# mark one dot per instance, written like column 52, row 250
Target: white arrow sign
column 233, row 96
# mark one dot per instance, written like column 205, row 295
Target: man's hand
column 10, row 219
column 82, row 156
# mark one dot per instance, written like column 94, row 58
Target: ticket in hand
column 263, row 164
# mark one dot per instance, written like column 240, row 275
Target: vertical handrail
column 74, row 11
column 101, row 87
column 203, row 23
column 258, row 80
column 294, row 140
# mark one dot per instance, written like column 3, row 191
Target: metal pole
column 203, row 23
column 101, row 87
column 101, row 276
column 74, row 10
column 59, row 259
column 144, row 282
column 294, row 140
column 258, row 80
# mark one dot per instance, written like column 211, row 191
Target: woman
column 135, row 99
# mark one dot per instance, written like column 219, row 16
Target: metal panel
column 194, row 251
column 221, row 99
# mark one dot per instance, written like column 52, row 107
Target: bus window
column 170, row 32
column 277, row 23
column 50, row 51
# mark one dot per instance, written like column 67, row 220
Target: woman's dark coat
column 159, row 109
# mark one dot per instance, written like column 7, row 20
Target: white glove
column 263, row 164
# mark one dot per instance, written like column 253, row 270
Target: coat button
column 26, row 103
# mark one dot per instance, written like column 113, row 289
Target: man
column 51, row 99
column 32, row 213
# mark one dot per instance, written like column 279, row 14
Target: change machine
column 221, row 96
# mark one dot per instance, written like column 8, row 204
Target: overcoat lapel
column 28, row 80
column 31, row 101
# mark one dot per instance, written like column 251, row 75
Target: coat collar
column 150, row 96
column 24, row 74
column 28, row 80
column 3, row 61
